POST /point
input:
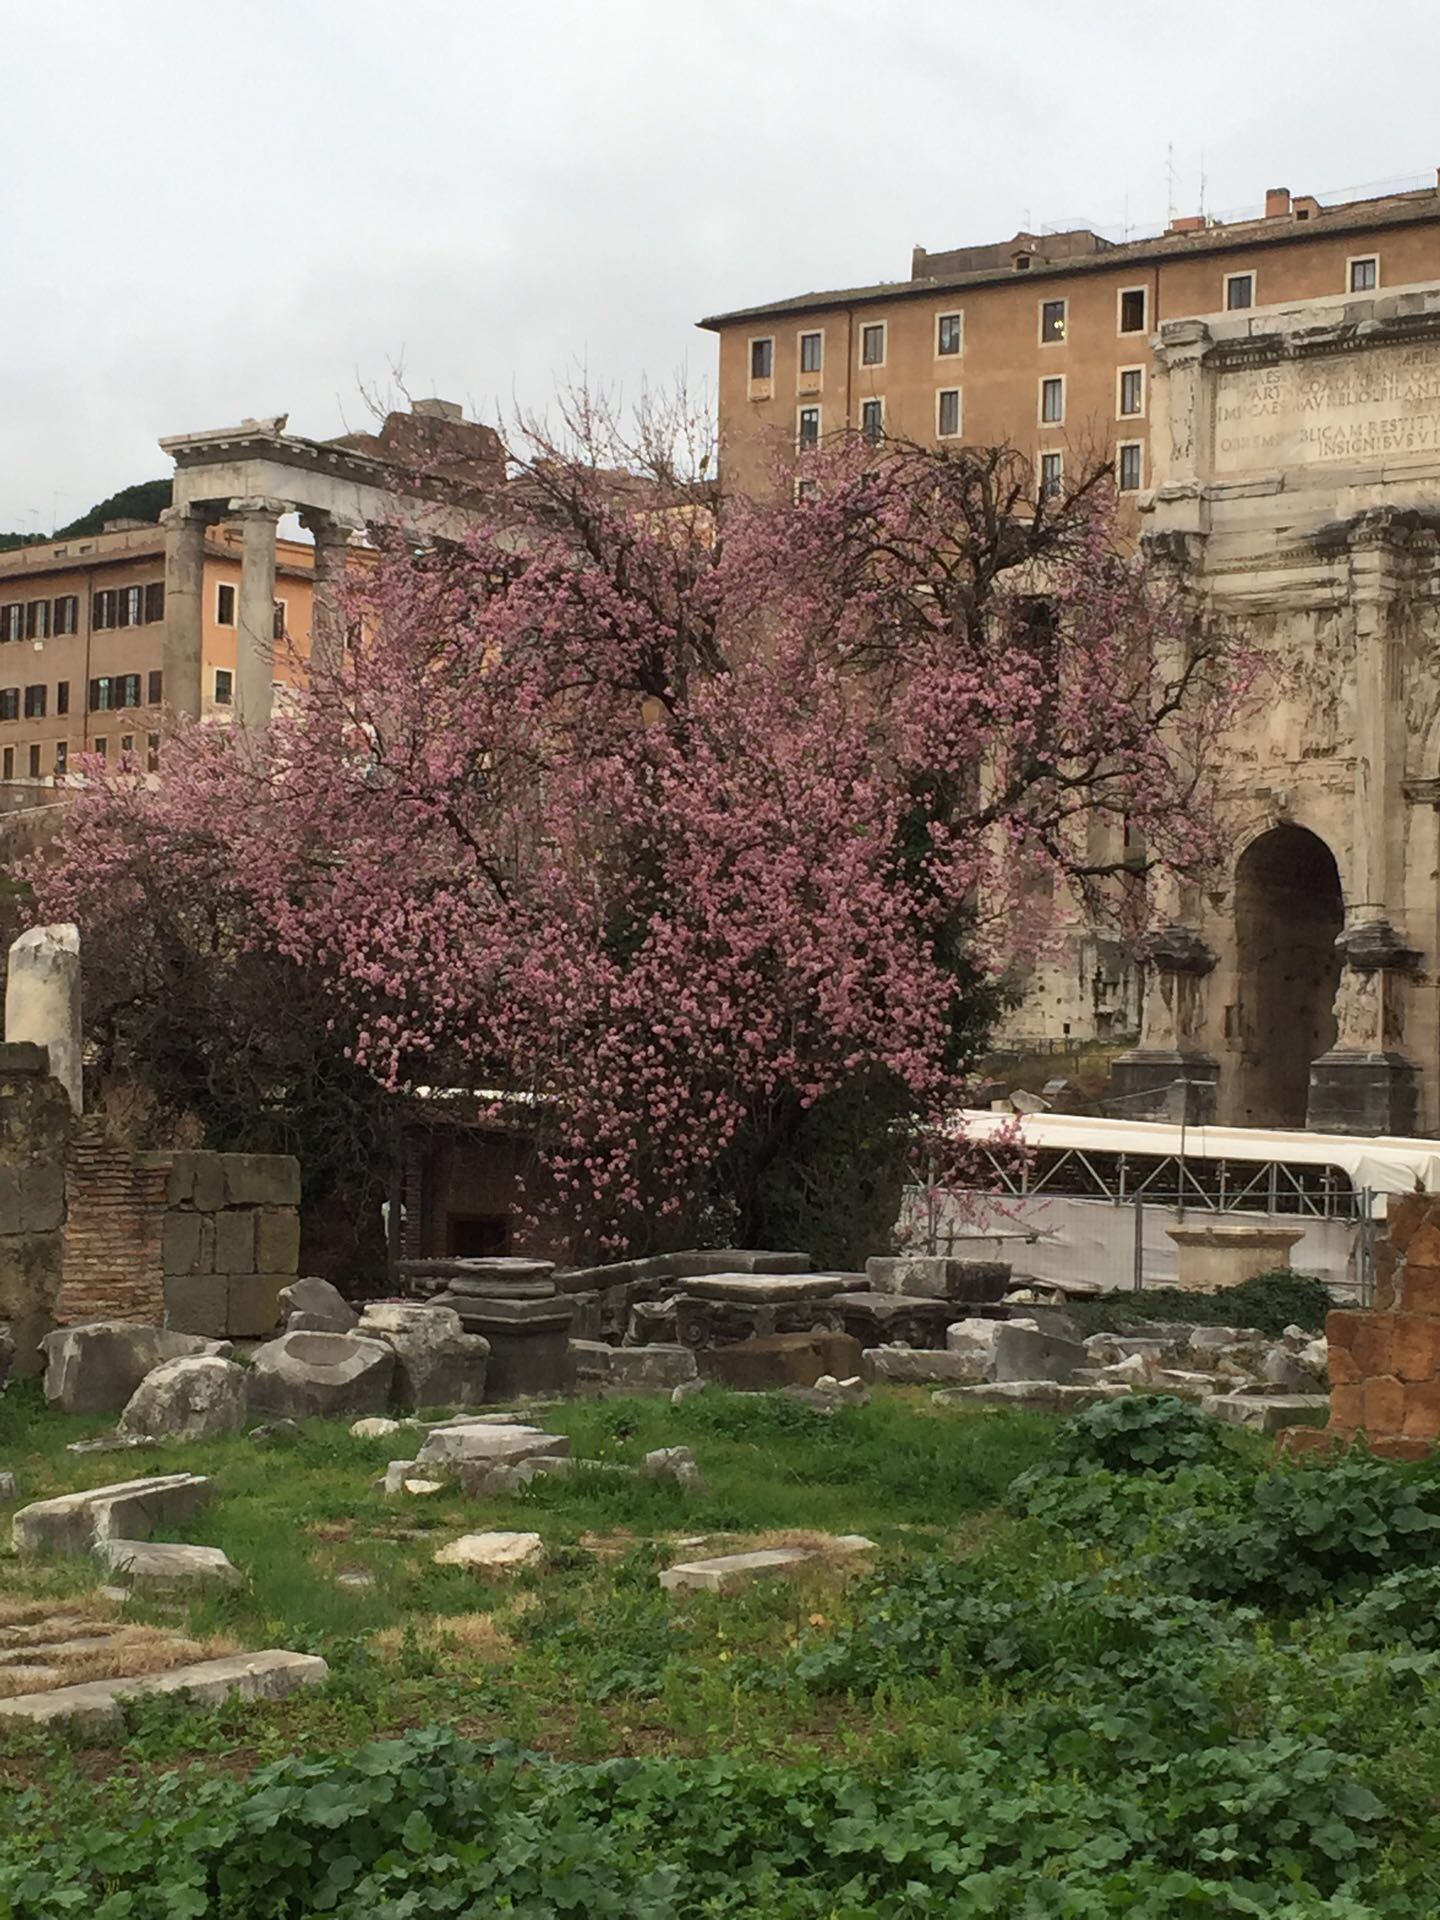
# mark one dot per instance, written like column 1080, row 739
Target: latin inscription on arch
column 1365, row 409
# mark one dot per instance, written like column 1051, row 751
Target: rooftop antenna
column 1170, row 182
column 1202, row 183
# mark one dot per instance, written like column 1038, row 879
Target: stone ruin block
column 277, row 1240
column 235, row 1241
column 783, row 1360
column 894, row 1319
column 180, row 1243
column 197, row 1181
column 939, row 1277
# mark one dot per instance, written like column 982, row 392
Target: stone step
column 731, row 1570
column 1269, row 1412
column 125, row 1509
column 155, row 1563
column 95, row 1705
column 12, row 1657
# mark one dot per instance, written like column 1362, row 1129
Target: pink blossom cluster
column 669, row 823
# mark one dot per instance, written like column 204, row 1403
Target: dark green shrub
column 1269, row 1301
column 1141, row 1433
column 1307, row 1533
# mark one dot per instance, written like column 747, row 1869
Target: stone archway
column 1288, row 911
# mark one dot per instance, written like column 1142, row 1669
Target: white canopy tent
column 1090, row 1199
column 1382, row 1164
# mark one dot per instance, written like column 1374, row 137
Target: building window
column 132, row 606
column 1052, row 475
column 37, row 620
column 9, row 703
column 277, row 621
column 35, row 761
column 1052, row 401
column 65, row 614
column 947, row 412
column 100, row 745
column 1132, row 310
column 224, row 605
column 127, row 744
column 224, row 686
column 1132, row 392
column 808, row 433
column 1365, row 273
column 806, row 491
column 154, row 602
column 762, row 359
column 7, row 764
column 812, row 349
column 949, row 333
column 103, row 610
column 127, row 690
column 872, row 420
column 152, row 753
column 872, row 344
column 1239, row 291
column 62, row 697
column 12, row 620
column 1128, row 466
column 1052, row 321
column 155, row 690
column 34, row 703
column 102, row 695
column 62, row 756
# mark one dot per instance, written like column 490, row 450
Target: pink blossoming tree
column 687, row 828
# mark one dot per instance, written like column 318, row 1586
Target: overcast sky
column 270, row 205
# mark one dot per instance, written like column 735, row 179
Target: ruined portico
column 425, row 472
column 1297, row 470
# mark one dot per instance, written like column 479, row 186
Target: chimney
column 1187, row 223
column 1277, row 203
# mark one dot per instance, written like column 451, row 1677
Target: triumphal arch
column 1297, row 481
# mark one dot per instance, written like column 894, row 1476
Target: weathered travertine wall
column 231, row 1240
column 35, row 1121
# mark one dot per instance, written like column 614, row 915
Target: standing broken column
column 42, row 1001
column 255, row 611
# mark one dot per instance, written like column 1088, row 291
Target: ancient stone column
column 184, row 609
column 1169, row 1076
column 255, row 611
column 327, row 618
column 42, row 1001
column 1365, row 1083
column 1377, row 568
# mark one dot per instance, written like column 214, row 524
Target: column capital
column 1373, row 946
column 258, row 506
column 332, row 528
column 1174, row 948
column 190, row 514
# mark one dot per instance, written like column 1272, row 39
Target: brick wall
column 1385, row 1360
column 113, row 1231
column 202, row 1242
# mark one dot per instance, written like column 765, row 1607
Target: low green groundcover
column 1169, row 1676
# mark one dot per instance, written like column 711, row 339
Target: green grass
column 1043, row 1700
column 295, row 1516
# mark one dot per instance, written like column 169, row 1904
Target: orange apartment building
column 82, row 642
column 1041, row 342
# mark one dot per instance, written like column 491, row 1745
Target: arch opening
column 1289, row 909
